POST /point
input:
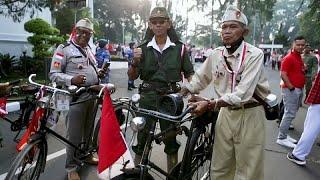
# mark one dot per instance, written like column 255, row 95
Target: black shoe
column 133, row 86
column 294, row 159
column 291, row 127
column 129, row 88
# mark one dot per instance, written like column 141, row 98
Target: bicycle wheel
column 199, row 153
column 132, row 176
column 29, row 163
column 124, row 115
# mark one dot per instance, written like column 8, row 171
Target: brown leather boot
column 172, row 160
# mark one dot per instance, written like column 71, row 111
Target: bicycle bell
column 171, row 104
column 135, row 98
column 137, row 123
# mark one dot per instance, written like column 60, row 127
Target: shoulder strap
column 182, row 51
column 259, row 99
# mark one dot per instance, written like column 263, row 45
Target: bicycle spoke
column 26, row 169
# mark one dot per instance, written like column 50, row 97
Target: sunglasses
column 155, row 22
column 84, row 32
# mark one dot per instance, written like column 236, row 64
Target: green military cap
column 159, row 12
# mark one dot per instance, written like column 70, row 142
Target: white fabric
column 311, row 130
column 234, row 14
column 115, row 169
column 155, row 46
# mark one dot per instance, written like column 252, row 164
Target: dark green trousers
column 150, row 100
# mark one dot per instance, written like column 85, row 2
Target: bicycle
column 31, row 161
column 197, row 155
column 23, row 106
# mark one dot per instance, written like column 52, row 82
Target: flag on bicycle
column 113, row 152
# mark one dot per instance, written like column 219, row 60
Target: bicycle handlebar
column 165, row 116
column 49, row 88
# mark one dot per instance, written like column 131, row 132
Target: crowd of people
column 237, row 71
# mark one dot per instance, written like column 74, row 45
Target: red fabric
column 293, row 65
column 73, row 33
column 3, row 102
column 111, row 143
column 314, row 94
column 33, row 127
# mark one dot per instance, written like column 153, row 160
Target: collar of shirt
column 155, row 46
column 236, row 53
column 295, row 53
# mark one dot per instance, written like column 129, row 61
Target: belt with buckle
column 244, row 106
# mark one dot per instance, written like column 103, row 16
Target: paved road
column 277, row 167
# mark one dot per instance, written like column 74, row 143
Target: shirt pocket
column 219, row 73
column 78, row 63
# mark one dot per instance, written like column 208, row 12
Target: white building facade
column 13, row 37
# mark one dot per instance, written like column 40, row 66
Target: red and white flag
column 113, row 152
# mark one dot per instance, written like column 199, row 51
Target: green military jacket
column 312, row 65
column 167, row 67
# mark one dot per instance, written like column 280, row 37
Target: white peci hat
column 234, row 14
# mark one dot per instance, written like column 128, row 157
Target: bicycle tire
column 132, row 176
column 128, row 113
column 198, row 159
column 33, row 156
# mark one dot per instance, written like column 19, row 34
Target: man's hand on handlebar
column 200, row 107
column 196, row 98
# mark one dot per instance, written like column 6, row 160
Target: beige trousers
column 238, row 152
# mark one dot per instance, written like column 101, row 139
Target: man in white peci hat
column 73, row 63
column 236, row 70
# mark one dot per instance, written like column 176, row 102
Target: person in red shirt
column 293, row 80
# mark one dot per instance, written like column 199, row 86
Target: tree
column 18, row 9
column 114, row 17
column 44, row 37
column 310, row 32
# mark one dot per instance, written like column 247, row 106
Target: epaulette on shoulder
column 66, row 44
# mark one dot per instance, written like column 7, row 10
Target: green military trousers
column 238, row 152
column 150, row 100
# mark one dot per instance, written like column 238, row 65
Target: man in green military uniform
column 311, row 64
column 159, row 63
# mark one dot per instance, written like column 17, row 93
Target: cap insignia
column 238, row 14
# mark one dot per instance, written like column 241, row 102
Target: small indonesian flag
column 3, row 102
column 113, row 151
column 59, row 56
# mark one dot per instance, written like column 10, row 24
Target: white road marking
column 49, row 157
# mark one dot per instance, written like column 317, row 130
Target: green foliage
column 44, row 37
column 310, row 32
column 112, row 16
column 6, row 61
column 281, row 38
column 18, row 9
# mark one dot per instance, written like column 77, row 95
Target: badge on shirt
column 56, row 64
column 59, row 56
